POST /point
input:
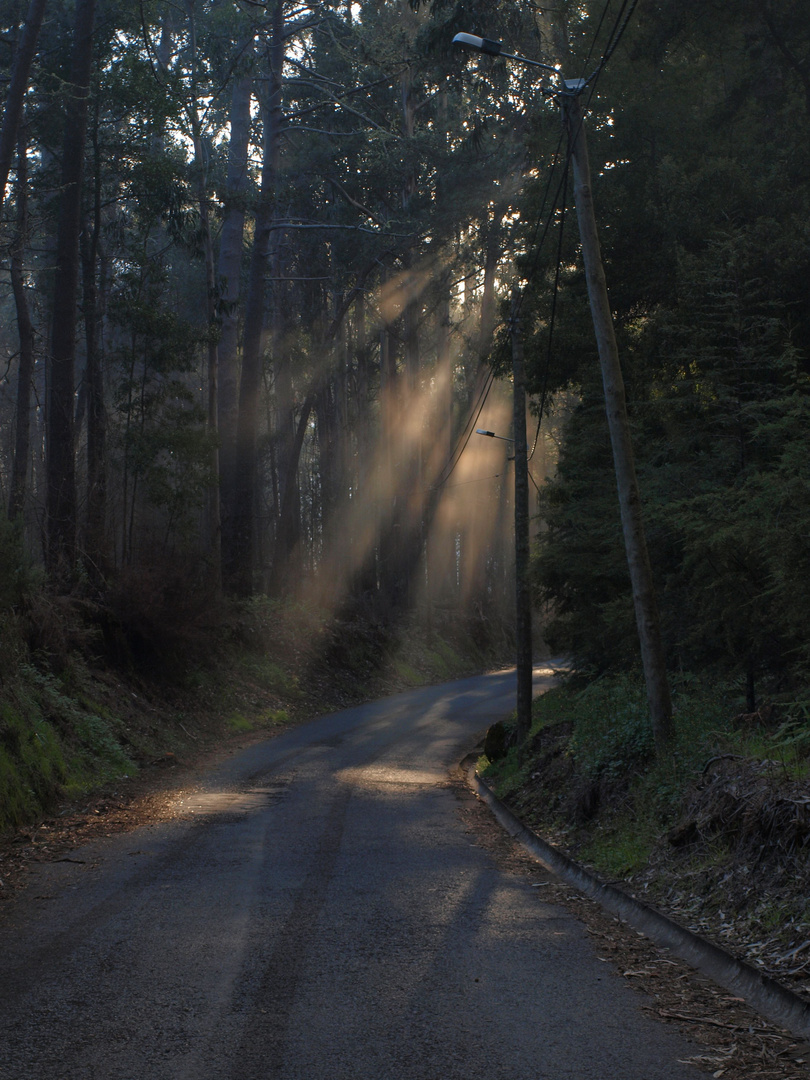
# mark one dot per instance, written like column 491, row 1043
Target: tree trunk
column 409, row 522
column 286, row 529
column 17, row 87
column 365, row 582
column 203, row 207
column 61, row 501
column 230, row 273
column 334, row 462
column 387, row 502
column 638, row 559
column 439, row 542
column 95, row 542
column 214, row 508
column 25, row 330
column 214, row 531
column 491, row 257
column 241, row 558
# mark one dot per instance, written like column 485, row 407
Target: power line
column 605, row 10
column 553, row 312
column 615, row 36
column 461, row 447
column 475, row 480
column 458, row 450
column 539, row 246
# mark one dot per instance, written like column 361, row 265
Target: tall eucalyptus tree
column 61, row 548
column 18, row 83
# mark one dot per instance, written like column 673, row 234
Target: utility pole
column 523, row 606
column 638, row 559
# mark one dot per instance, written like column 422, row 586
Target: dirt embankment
column 731, row 1040
column 154, row 719
column 735, row 866
column 731, row 862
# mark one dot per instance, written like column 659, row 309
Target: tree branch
column 353, row 202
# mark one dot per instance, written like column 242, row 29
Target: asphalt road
column 318, row 909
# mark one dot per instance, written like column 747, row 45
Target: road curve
column 318, row 910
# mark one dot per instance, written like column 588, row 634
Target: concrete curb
column 760, row 991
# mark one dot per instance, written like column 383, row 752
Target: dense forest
column 260, row 265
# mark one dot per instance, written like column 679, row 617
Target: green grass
column 444, row 661
column 238, row 722
column 32, row 764
column 605, row 734
column 269, row 675
column 611, row 734
column 789, row 744
column 620, row 850
column 51, row 746
column 408, row 673
column 552, row 707
column 508, row 774
column 74, row 718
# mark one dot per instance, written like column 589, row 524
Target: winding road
column 318, row 909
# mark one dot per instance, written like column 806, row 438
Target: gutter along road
column 318, row 908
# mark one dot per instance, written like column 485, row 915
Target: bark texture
column 638, row 560
column 61, row 473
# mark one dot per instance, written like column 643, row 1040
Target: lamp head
column 482, row 44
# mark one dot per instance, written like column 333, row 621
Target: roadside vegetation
column 95, row 689
column 715, row 832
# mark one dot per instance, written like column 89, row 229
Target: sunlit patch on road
column 374, row 775
column 230, row 805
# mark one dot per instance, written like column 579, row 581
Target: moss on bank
column 100, row 690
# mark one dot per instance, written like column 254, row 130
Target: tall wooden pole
column 638, row 559
column 523, row 607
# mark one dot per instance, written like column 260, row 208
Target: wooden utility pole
column 523, row 605
column 638, row 559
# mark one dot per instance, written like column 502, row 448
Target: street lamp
column 492, row 435
column 495, row 48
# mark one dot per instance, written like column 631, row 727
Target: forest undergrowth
column 716, row 833
column 96, row 689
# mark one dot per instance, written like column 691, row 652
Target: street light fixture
column 492, row 435
column 495, row 48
